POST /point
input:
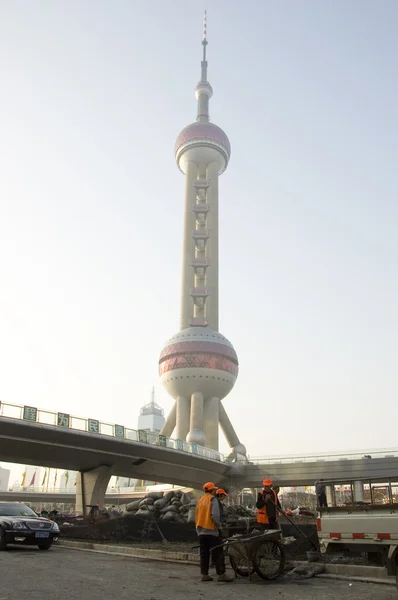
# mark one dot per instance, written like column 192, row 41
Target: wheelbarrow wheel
column 240, row 566
column 269, row 560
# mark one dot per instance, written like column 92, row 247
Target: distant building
column 151, row 419
column 4, row 479
column 151, row 416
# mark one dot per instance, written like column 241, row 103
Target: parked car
column 20, row 525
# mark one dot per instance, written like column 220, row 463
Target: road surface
column 64, row 574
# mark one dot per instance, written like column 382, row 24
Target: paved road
column 63, row 574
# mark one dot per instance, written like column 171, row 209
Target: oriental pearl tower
column 198, row 366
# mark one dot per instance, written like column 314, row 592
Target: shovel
column 157, row 524
column 301, row 532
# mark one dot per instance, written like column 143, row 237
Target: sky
column 93, row 97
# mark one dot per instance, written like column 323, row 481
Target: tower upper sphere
column 203, row 135
column 203, row 142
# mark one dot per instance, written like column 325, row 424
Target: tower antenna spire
column 203, row 90
column 204, row 44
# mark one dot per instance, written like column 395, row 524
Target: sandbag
column 169, row 495
column 142, row 513
column 183, row 510
column 169, row 508
column 185, row 499
column 155, row 495
column 175, row 502
column 133, row 505
column 160, row 503
column 170, row 516
column 146, row 502
column 178, row 494
column 192, row 512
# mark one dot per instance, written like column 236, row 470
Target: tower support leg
column 230, row 433
column 183, row 410
column 170, row 423
column 211, row 415
column 196, row 435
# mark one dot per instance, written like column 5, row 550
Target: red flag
column 33, row 480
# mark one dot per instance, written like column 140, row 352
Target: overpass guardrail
column 60, row 420
column 116, row 491
column 325, row 456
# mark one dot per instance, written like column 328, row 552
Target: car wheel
column 2, row 539
column 45, row 546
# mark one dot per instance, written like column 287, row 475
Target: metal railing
column 116, row 491
column 94, row 426
column 325, row 456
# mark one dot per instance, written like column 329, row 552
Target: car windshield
column 16, row 510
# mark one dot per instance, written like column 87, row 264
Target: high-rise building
column 151, row 416
column 4, row 479
column 198, row 366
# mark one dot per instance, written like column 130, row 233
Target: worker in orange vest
column 208, row 528
column 267, row 506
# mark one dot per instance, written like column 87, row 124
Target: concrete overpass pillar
column 91, row 487
column 359, row 491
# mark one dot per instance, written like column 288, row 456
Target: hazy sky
column 93, row 95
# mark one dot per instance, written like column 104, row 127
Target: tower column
column 211, row 416
column 188, row 246
column 196, row 435
column 212, row 247
column 183, row 409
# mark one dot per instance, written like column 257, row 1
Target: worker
column 267, row 506
column 221, row 495
column 208, row 528
column 320, row 490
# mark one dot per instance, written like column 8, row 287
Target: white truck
column 361, row 517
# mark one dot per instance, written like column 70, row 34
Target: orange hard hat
column 221, row 492
column 209, row 486
column 267, row 482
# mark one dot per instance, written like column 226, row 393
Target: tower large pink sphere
column 198, row 359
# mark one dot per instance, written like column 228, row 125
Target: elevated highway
column 38, row 444
column 97, row 451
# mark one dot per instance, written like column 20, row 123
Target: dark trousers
column 322, row 500
column 272, row 524
column 206, row 543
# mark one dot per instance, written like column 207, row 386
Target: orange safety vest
column 203, row 516
column 262, row 516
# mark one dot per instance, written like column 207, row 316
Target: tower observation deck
column 198, row 366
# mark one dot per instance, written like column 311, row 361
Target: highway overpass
column 99, row 452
